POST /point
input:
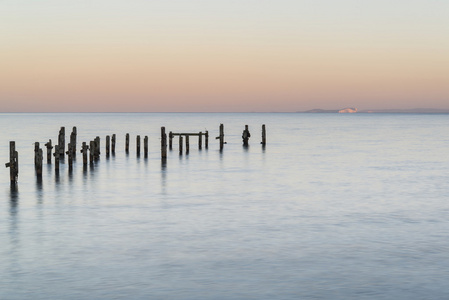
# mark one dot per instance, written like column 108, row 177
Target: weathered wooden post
column 113, row 144
column 97, row 148
column 170, row 140
column 49, row 147
column 91, row 151
column 127, row 143
column 221, row 137
column 13, row 163
column 200, row 140
column 138, row 145
column 56, row 155
column 206, row 140
column 84, row 151
column 61, row 141
column 187, row 144
column 264, row 136
column 163, row 143
column 245, row 136
column 145, row 146
column 180, row 144
column 70, row 156
column 72, row 147
column 107, row 144
column 38, row 159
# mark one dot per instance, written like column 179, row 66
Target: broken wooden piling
column 245, row 136
column 13, row 163
column 57, row 154
column 38, row 157
column 200, row 140
column 61, row 141
column 221, row 137
column 97, row 148
column 187, row 144
column 206, row 140
column 127, row 143
column 180, row 145
column 91, row 151
column 108, row 138
column 264, row 136
column 49, row 148
column 72, row 147
column 113, row 144
column 170, row 140
column 145, row 146
column 138, row 145
column 163, row 143
column 70, row 156
column 84, row 150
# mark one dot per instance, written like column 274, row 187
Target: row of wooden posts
column 93, row 149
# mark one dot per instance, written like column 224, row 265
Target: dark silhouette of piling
column 246, row 135
column 38, row 157
column 49, row 148
column 13, row 163
column 108, row 141
column 206, row 140
column 97, row 148
column 127, row 143
column 187, row 144
column 200, row 140
column 61, row 141
column 180, row 145
column 70, row 156
column 163, row 143
column 72, row 147
column 264, row 136
column 170, row 140
column 221, row 137
column 84, row 150
column 113, row 144
column 91, row 151
column 138, row 145
column 57, row 155
column 145, row 146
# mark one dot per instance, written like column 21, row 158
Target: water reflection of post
column 13, row 200
column 39, row 189
column 164, row 175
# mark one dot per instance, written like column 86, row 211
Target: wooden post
column 73, row 141
column 221, row 137
column 97, row 148
column 163, row 143
column 91, row 151
column 38, row 159
column 70, row 155
column 187, row 144
column 170, row 140
column 206, row 140
column 84, row 151
column 57, row 154
column 36, row 153
column 245, row 136
column 138, row 145
column 113, row 144
column 13, row 163
column 61, row 141
column 127, row 143
column 180, row 144
column 200, row 140
column 107, row 144
column 49, row 147
column 145, row 146
column 264, row 137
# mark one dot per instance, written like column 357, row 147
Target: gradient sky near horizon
column 222, row 55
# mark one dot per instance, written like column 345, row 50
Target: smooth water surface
column 336, row 206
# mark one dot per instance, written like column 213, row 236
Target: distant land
column 403, row 111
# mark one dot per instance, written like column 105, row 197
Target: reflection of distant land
column 403, row 111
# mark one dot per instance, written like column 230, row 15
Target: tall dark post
column 57, row 154
column 264, row 136
column 49, row 147
column 221, row 137
column 13, row 163
column 187, row 144
column 61, row 141
column 206, row 140
column 170, row 140
column 108, row 141
column 84, row 151
column 245, row 136
column 200, row 140
column 127, row 143
column 91, row 151
column 38, row 159
column 163, row 143
column 180, row 144
column 70, row 156
column 145, row 146
column 97, row 148
column 138, row 145
column 113, row 144
column 73, row 141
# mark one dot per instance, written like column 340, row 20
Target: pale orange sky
column 226, row 56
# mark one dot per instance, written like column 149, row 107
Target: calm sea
column 336, row 206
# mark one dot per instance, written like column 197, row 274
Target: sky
column 222, row 55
